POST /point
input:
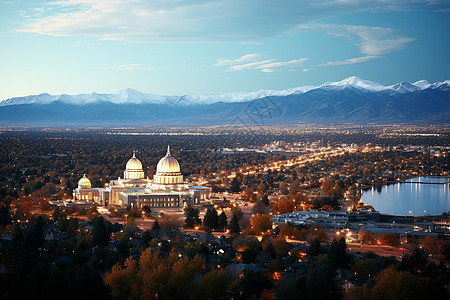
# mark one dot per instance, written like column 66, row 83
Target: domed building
column 84, row 183
column 134, row 169
column 167, row 189
column 84, row 190
column 168, row 170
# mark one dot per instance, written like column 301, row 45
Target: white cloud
column 279, row 64
column 242, row 59
column 370, row 40
column 252, row 61
column 251, row 65
column 136, row 67
column 195, row 20
column 350, row 61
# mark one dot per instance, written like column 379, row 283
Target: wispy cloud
column 253, row 61
column 136, row 67
column 371, row 41
column 196, row 20
column 245, row 58
column 350, row 61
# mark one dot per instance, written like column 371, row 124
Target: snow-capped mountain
column 355, row 82
column 130, row 96
column 352, row 100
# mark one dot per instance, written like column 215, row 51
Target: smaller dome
column 84, row 182
column 134, row 163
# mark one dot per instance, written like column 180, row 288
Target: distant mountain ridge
column 352, row 100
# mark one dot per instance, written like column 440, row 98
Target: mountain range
column 352, row 100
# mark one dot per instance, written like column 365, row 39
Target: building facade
column 166, row 190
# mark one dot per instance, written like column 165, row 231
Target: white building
column 166, row 190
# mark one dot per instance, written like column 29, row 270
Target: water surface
column 406, row 199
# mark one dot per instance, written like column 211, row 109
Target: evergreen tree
column 100, row 234
column 223, row 221
column 156, row 226
column 234, row 225
column 315, row 248
column 235, row 187
column 192, row 217
column 211, row 219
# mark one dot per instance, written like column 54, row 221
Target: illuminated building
column 166, row 190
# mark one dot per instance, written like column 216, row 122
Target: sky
column 176, row 47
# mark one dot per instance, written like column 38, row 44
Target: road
column 379, row 250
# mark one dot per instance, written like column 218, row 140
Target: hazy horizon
column 213, row 47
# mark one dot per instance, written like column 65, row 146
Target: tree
column 156, row 226
column 92, row 213
column 170, row 223
column 337, row 254
column 431, row 245
column 236, row 210
column 222, row 221
column 35, row 237
column 56, row 214
column 314, row 248
column 152, row 277
column 260, row 223
column 234, row 225
column 192, row 217
column 214, row 284
column 389, row 239
column 235, row 186
column 4, row 214
column 211, row 219
column 280, row 245
column 253, row 284
column 366, row 267
column 319, row 277
column 265, row 200
column 283, row 206
column 100, row 234
column 366, row 238
column 393, row 284
column 259, row 207
column 416, row 262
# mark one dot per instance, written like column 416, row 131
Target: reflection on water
column 416, row 198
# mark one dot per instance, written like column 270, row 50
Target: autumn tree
column 153, row 277
column 170, row 223
column 394, row 284
column 389, row 239
column 280, row 245
column 366, row 238
column 214, row 284
column 283, row 206
column 260, row 223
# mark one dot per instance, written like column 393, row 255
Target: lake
column 407, row 199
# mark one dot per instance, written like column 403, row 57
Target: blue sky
column 176, row 47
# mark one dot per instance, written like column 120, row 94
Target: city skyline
column 211, row 47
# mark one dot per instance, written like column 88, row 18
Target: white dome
column 168, row 164
column 84, row 183
column 134, row 163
